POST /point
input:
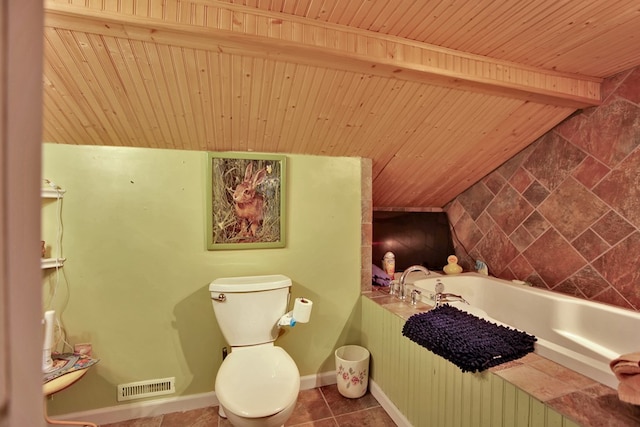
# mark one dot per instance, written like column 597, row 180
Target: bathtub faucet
column 403, row 278
column 442, row 297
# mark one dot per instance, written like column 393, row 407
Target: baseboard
column 314, row 381
column 157, row 407
column 143, row 409
column 388, row 405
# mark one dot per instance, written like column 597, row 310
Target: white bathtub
column 579, row 334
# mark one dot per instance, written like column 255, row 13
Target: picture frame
column 246, row 198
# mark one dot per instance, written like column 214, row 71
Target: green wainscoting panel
column 432, row 392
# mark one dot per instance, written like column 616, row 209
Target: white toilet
column 258, row 383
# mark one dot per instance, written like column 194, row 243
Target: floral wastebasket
column 352, row 370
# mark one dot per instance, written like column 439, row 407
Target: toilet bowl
column 257, row 386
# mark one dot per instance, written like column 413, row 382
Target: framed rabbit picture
column 245, row 201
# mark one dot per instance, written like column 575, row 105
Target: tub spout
column 403, row 278
column 442, row 297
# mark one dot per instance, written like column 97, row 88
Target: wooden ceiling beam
column 246, row 31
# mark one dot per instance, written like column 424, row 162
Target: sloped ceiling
column 437, row 93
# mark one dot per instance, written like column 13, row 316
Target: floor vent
column 148, row 388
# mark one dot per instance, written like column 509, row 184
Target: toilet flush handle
column 220, row 298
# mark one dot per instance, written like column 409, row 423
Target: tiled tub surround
column 564, row 214
column 430, row 391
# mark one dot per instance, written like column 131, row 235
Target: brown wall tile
column 576, row 227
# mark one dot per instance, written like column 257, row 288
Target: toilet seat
column 257, row 381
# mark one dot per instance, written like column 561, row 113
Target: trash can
column 352, row 370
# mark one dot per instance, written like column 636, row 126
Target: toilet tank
column 248, row 308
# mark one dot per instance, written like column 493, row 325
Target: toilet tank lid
column 249, row 283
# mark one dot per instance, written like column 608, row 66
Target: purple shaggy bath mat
column 471, row 343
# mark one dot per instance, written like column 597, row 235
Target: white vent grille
column 148, row 388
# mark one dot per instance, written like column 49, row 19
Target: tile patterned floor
column 319, row 407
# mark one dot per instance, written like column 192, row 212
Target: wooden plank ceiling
column 437, row 93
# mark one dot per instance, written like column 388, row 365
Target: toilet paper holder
column 301, row 313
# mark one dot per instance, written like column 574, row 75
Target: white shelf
column 52, row 262
column 52, row 193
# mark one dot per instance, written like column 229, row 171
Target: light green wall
column 135, row 283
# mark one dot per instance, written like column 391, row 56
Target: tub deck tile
column 578, row 381
column 539, row 384
column 524, row 360
column 597, row 406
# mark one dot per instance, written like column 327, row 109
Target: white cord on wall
column 58, row 254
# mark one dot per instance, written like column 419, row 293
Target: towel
column 379, row 277
column 627, row 370
column 471, row 343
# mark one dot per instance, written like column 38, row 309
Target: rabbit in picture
column 249, row 203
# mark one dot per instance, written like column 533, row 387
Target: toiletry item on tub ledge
column 379, row 277
column 452, row 266
column 389, row 264
column 482, row 268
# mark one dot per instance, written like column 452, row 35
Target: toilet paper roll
column 302, row 310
